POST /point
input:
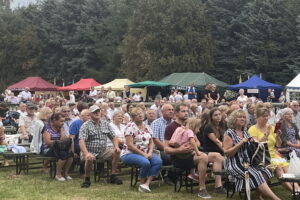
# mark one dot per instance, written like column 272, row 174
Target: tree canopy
column 67, row 40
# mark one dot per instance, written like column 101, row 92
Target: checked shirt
column 95, row 135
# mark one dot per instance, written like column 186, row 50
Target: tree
column 166, row 36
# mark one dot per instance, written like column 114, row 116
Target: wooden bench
column 21, row 159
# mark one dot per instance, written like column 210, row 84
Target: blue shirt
column 158, row 127
column 74, row 130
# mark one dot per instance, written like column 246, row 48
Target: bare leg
column 115, row 162
column 201, row 162
column 266, row 191
column 67, row 166
column 289, row 186
column 218, row 161
column 88, row 167
column 45, row 166
column 143, row 180
column 59, row 166
column 149, row 180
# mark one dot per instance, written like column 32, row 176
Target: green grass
column 38, row 186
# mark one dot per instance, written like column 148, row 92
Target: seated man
column 191, row 160
column 92, row 142
column 74, row 131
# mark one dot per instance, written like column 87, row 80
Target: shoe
column 144, row 188
column 68, row 178
column 60, row 178
column 115, row 180
column 193, row 177
column 203, row 194
column 86, row 184
column 220, row 190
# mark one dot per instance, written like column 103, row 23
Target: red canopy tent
column 34, row 84
column 83, row 84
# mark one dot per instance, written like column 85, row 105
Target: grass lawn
column 38, row 186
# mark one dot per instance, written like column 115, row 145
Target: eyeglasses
column 66, row 111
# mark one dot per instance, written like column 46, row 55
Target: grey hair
column 117, row 112
column 285, row 111
column 234, row 115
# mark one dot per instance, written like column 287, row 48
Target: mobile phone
column 277, row 127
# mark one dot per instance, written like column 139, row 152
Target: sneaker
column 193, row 177
column 86, row 184
column 203, row 194
column 68, row 178
column 115, row 180
column 220, row 190
column 60, row 178
column 144, row 188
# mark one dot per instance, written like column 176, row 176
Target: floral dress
column 141, row 138
column 292, row 137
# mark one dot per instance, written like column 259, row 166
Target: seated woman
column 236, row 153
column 54, row 132
column 264, row 132
column 212, row 144
column 138, row 149
column 289, row 131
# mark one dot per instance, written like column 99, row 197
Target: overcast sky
column 20, row 3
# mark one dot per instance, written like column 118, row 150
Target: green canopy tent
column 152, row 87
column 199, row 79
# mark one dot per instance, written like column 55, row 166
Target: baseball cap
column 94, row 108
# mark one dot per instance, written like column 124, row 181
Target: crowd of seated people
column 140, row 136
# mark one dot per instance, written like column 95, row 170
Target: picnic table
column 21, row 159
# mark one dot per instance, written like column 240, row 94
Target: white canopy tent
column 293, row 89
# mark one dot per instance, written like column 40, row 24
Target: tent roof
column 148, row 84
column 83, row 84
column 199, row 79
column 117, row 84
column 255, row 83
column 295, row 83
column 34, row 84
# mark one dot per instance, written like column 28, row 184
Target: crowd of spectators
column 114, row 127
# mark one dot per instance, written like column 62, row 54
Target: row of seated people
column 221, row 137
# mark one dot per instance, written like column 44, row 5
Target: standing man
column 92, row 141
column 191, row 91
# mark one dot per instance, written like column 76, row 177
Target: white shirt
column 185, row 97
column 119, row 133
column 137, row 98
column 172, row 98
column 93, row 93
column 25, row 95
column 243, row 99
column 178, row 98
column 72, row 98
column 110, row 112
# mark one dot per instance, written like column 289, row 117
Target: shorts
column 105, row 155
column 185, row 163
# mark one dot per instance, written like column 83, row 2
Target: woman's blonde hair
column 234, row 115
column 193, row 124
column 135, row 111
column 260, row 110
column 44, row 112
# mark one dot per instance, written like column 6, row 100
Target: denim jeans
column 148, row 167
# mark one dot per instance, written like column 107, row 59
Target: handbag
column 259, row 154
column 61, row 149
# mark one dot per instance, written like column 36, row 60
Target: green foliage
column 148, row 39
column 166, row 36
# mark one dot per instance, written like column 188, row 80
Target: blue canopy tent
column 256, row 83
